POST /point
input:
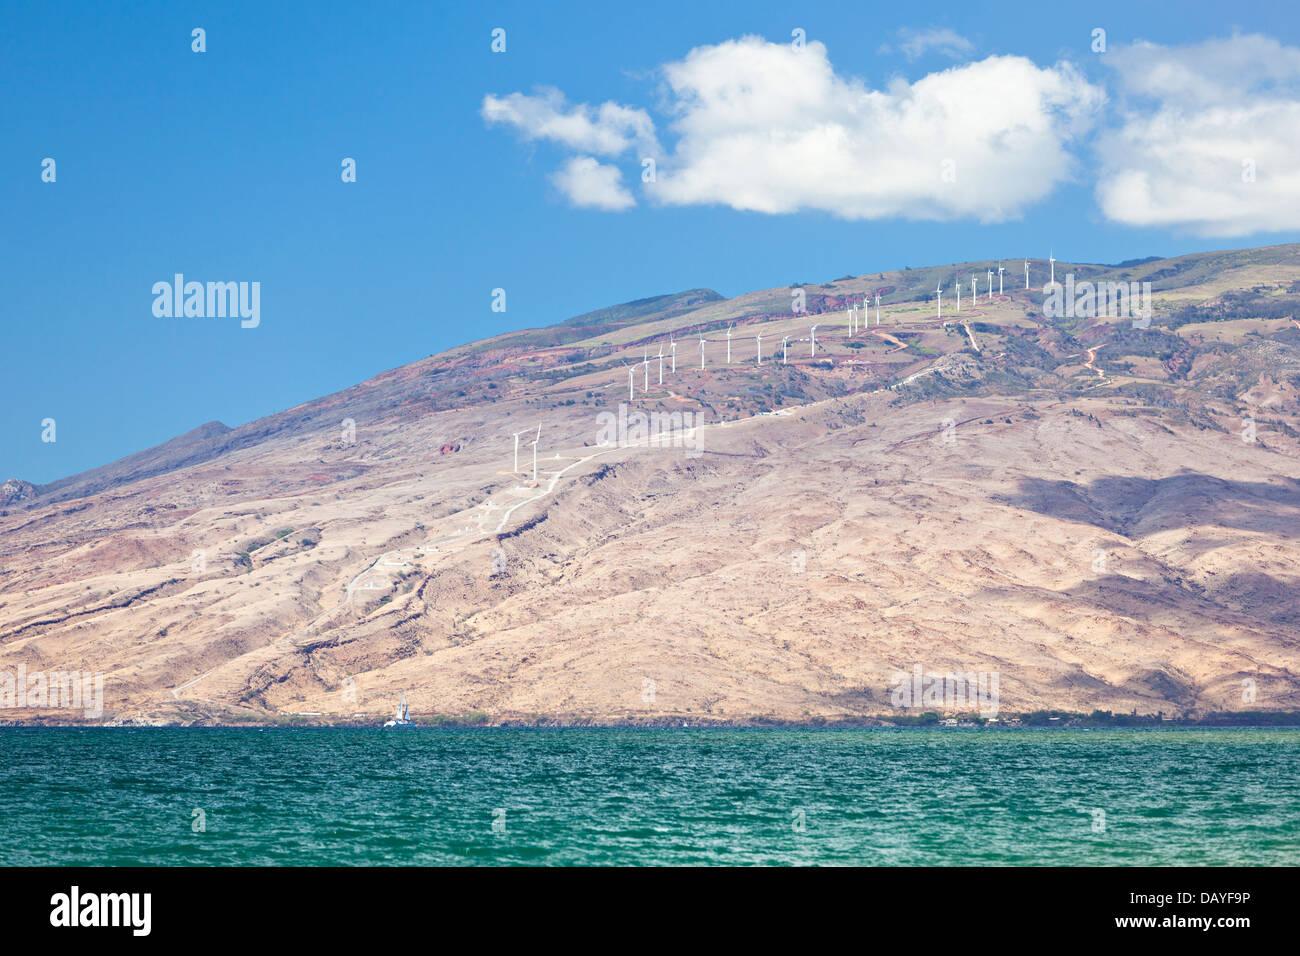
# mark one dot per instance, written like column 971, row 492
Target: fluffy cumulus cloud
column 590, row 184
column 1201, row 137
column 1208, row 137
column 773, row 128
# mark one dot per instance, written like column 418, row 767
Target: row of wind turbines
column 974, row 281
column 974, row 287
column 672, row 349
column 857, row 320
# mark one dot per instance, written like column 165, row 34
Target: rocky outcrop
column 15, row 491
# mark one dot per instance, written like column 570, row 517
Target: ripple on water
column 691, row 797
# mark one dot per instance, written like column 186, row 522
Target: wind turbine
column 785, row 350
column 812, row 340
column 1051, row 261
column 759, row 339
column 957, row 286
column 517, row 434
column 974, row 284
column 661, row 365
column 701, row 352
column 672, row 347
column 535, row 441
column 938, row 292
column 645, row 362
column 729, row 328
column 990, row 285
column 999, row 278
column 631, row 394
column 877, row 308
column 1026, row 273
column 852, row 310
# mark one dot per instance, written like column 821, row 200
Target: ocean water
column 588, row 796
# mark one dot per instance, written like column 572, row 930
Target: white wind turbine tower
column 812, row 340
column 535, row 441
column 631, row 394
column 1026, row 273
column 974, row 284
column 990, row 285
column 785, row 350
column 957, row 285
column 758, row 337
column 938, row 294
column 661, row 365
column 672, row 347
column 877, row 308
column 999, row 278
column 1051, row 261
column 701, row 352
column 852, row 310
column 729, row 328
column 517, row 434
column 645, row 363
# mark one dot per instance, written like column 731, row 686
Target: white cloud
column 1194, row 119
column 590, row 184
column 915, row 43
column 606, row 130
column 1214, row 72
column 772, row 128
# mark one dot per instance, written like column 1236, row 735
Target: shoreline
column 1049, row 720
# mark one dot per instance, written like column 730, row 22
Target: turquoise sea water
column 872, row 797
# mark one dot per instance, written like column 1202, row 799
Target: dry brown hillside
column 1104, row 516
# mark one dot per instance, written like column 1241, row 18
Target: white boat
column 403, row 718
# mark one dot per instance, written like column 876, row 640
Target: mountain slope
column 1102, row 515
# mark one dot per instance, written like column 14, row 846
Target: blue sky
column 225, row 166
